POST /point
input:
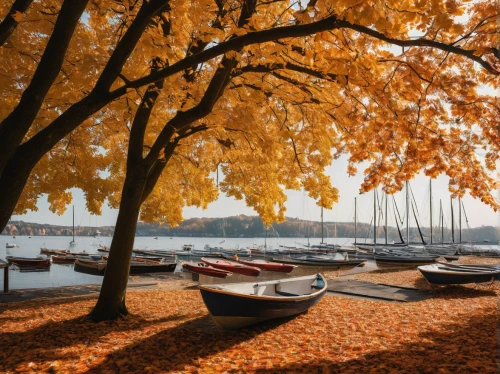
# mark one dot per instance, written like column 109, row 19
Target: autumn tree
column 266, row 93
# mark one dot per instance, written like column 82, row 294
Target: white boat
column 10, row 245
column 459, row 274
column 236, row 305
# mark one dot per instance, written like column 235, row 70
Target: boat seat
column 283, row 293
column 319, row 283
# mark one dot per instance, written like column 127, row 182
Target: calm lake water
column 64, row 275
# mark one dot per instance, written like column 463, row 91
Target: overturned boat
column 236, row 305
column 205, row 269
column 232, row 266
column 459, row 274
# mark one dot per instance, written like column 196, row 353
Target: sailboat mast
column 452, row 222
column 442, row 220
column 322, row 225
column 459, row 221
column 355, row 221
column 374, row 216
column 430, row 204
column 386, row 198
column 407, row 215
column 73, row 223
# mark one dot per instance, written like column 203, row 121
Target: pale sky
column 301, row 206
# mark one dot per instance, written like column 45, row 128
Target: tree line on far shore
column 252, row 226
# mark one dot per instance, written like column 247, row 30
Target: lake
column 64, row 275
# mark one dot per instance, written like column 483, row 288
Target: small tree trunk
column 111, row 302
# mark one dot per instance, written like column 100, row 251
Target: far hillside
column 251, row 226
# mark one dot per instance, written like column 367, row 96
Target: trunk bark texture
column 12, row 183
column 111, row 302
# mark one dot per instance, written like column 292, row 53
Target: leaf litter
column 170, row 331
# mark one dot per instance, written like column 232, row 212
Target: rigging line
column 418, row 226
column 397, row 210
column 413, row 197
column 380, row 212
column 397, row 224
column 369, row 229
column 466, row 221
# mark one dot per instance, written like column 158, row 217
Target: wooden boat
column 236, row 305
column 149, row 267
column 69, row 259
column 156, row 260
column 202, row 268
column 46, row 251
column 267, row 265
column 459, row 274
column 317, row 262
column 57, row 259
column 90, row 267
column 405, row 258
column 103, row 249
column 99, row 267
column 232, row 266
column 29, row 261
column 155, row 253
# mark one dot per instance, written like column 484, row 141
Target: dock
column 373, row 291
column 5, row 267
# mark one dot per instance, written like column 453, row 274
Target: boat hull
column 234, row 311
column 405, row 260
column 270, row 266
column 95, row 268
column 19, row 261
column 436, row 276
column 206, row 270
column 152, row 268
column 89, row 268
column 321, row 263
column 63, row 259
column 232, row 266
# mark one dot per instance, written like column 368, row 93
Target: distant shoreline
column 252, row 227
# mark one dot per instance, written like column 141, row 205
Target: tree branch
column 127, row 44
column 15, row 126
column 9, row 24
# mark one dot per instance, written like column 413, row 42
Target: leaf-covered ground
column 170, row 331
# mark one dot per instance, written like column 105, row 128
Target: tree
column 263, row 92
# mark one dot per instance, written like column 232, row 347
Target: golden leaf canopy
column 405, row 86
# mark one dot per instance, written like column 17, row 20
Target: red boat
column 232, row 266
column 266, row 265
column 28, row 261
column 63, row 259
column 202, row 268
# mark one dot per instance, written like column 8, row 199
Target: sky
column 299, row 205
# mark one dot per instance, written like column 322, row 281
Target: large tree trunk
column 111, row 302
column 12, row 183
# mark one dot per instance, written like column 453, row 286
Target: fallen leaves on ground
column 170, row 331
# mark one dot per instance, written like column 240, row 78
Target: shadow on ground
column 463, row 348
